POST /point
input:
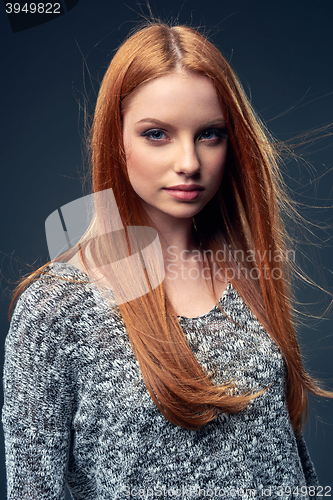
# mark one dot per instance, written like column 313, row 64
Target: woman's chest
column 192, row 295
column 110, row 381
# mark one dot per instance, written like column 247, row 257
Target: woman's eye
column 154, row 135
column 213, row 134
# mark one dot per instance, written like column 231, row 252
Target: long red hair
column 244, row 216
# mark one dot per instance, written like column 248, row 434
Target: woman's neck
column 177, row 238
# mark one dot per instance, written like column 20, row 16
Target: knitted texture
column 76, row 410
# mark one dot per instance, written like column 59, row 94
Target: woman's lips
column 185, row 193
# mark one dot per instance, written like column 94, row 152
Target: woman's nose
column 187, row 160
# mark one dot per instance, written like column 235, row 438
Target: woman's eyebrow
column 217, row 122
column 154, row 121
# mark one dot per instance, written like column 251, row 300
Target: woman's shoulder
column 65, row 284
column 61, row 300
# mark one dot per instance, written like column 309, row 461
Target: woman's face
column 175, row 142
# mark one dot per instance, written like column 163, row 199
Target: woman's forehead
column 170, row 96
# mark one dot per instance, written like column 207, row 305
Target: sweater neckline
column 215, row 308
column 74, row 270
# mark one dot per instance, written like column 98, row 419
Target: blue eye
column 154, row 134
column 213, row 134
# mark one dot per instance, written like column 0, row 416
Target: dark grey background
column 282, row 52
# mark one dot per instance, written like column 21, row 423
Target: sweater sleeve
column 38, row 397
column 308, row 467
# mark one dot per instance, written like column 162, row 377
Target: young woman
column 194, row 386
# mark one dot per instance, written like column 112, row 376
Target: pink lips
column 185, row 192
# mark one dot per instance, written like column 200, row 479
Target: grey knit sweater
column 76, row 409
